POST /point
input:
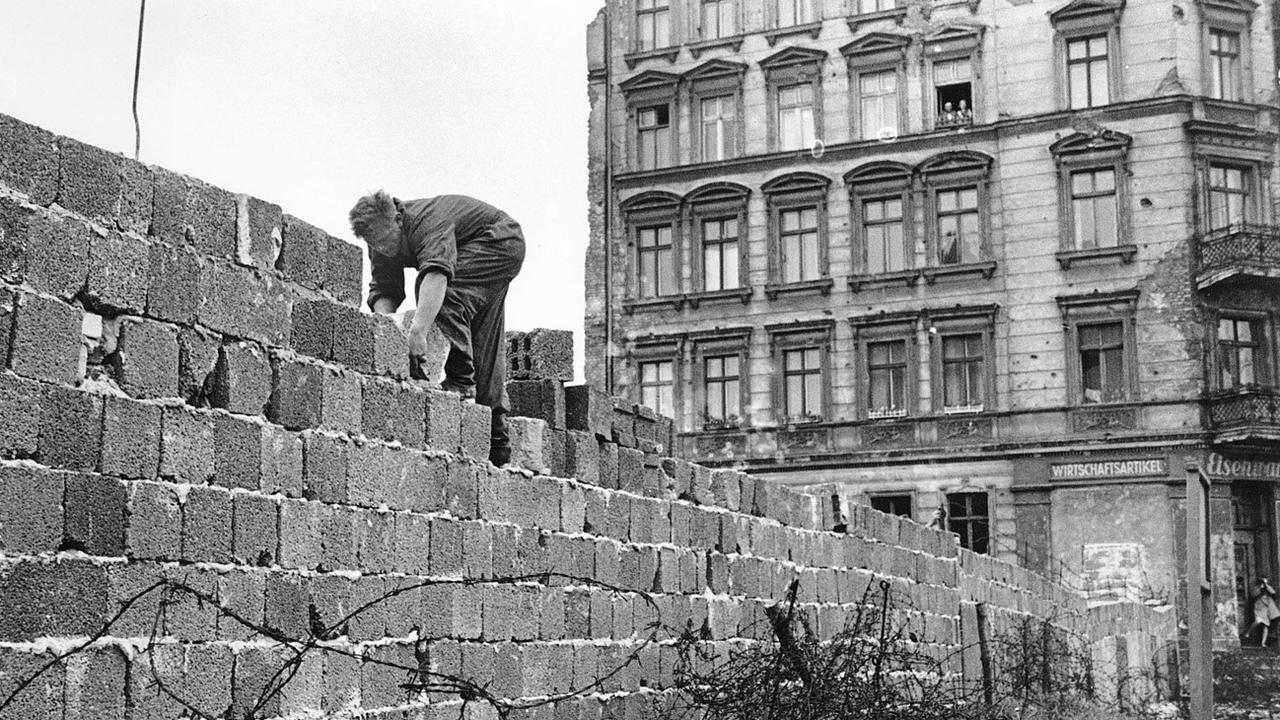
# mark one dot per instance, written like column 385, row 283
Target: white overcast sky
column 312, row 103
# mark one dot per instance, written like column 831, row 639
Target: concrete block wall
column 189, row 394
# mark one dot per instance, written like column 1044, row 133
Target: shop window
column 968, row 515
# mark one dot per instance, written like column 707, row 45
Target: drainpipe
column 607, row 243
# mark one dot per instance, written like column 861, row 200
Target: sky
column 313, row 103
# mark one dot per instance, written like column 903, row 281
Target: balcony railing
column 1242, row 248
column 1249, row 413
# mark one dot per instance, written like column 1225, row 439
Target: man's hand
column 418, row 350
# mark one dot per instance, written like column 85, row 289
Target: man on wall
column 466, row 253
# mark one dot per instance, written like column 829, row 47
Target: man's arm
column 430, row 297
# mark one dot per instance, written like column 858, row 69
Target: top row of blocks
column 129, row 196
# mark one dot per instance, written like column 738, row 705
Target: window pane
column 729, row 258
column 711, row 267
column 1078, row 80
column 813, row 393
column 666, row 272
column 795, row 395
column 662, row 30
column 809, row 218
column 791, row 258
column 790, row 220
column 1100, row 83
column 810, row 255
column 1105, row 215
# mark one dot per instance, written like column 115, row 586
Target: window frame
column 910, row 495
column 952, row 43
column 1105, row 149
column 800, row 336
column 1228, row 16
column 699, row 20
column 641, row 251
column 721, row 343
column 952, row 322
column 1083, row 19
column 714, row 201
column 646, row 210
column 640, row 12
column 887, row 327
column 1091, row 310
column 989, row 517
column 1254, row 197
column 658, row 161
column 650, row 89
column 880, row 180
column 789, row 68
column 773, row 12
column 1262, row 325
column 875, row 53
column 790, row 192
column 713, row 79
column 949, row 172
column 657, row 348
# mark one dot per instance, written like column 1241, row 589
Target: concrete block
column 631, row 472
column 325, row 467
column 241, row 593
column 254, row 680
column 237, row 452
column 555, row 451
column 46, row 252
column 344, row 271
column 477, row 549
column 299, row 534
column 303, row 253
column 393, row 411
column 242, row 379
column 20, row 407
column 131, row 439
column 259, row 233
column 594, row 510
column 375, row 535
column 197, row 360
column 243, row 303
column 311, row 328
column 446, row 547
column 46, row 340
column 582, row 457
column 186, row 446
column 145, row 363
column 540, row 354
column 608, row 465
column 726, row 488
column 462, row 488
column 153, row 529
column 380, row 475
column 255, row 529
column 390, row 346
column 589, row 410
column 28, row 160
column 95, row 685
column 190, row 212
column 354, row 344
column 700, row 486
column 282, row 464
column 91, row 182
column 384, row 669
column 311, row 396
column 476, row 430
column 341, row 686
column 31, row 513
column 411, row 548
column 286, row 603
column 206, row 525
column 429, row 476
column 443, row 420
column 573, row 507
column 119, row 274
column 94, row 515
column 173, row 284
column 540, row 399
column 527, row 443
column 70, row 429
column 337, row 538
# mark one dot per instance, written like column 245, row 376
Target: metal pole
column 1199, row 597
column 137, row 71
column 607, row 240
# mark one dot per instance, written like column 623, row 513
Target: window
column 887, row 379
column 653, row 21
column 1229, row 195
column 793, row 12
column 657, row 386
column 953, row 92
column 795, row 117
column 874, row 6
column 798, row 237
column 802, row 384
column 969, row 517
column 720, row 254
column 1088, row 76
column 654, row 136
column 719, row 127
column 1224, row 65
column 718, row 19
column 1240, row 354
column 958, row 223
column 722, row 390
column 882, row 234
column 963, row 373
column 892, row 504
column 1093, row 208
column 878, row 104
column 1101, row 342
column 655, row 262
column 1102, row 363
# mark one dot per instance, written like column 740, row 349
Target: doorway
column 1254, row 555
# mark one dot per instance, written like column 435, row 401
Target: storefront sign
column 1222, row 468
column 1108, row 469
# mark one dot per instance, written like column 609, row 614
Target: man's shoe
column 500, row 456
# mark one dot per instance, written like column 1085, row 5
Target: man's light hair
column 372, row 214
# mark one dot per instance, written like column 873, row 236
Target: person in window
column 466, row 253
column 1265, row 610
column 963, row 113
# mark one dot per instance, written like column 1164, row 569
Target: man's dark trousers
column 472, row 319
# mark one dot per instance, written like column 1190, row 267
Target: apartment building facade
column 1012, row 264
